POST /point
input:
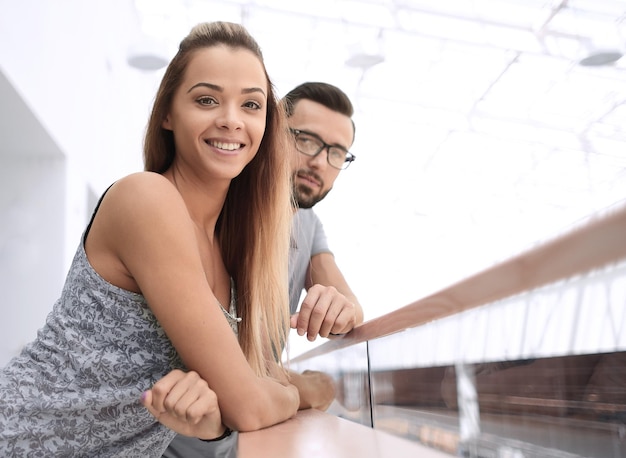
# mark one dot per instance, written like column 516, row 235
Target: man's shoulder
column 306, row 223
column 308, row 230
column 306, row 215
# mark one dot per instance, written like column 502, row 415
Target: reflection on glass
column 349, row 369
column 572, row 406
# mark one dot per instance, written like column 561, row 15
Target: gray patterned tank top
column 75, row 390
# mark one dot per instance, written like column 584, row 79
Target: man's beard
column 305, row 198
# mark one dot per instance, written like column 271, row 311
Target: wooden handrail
column 312, row 433
column 598, row 243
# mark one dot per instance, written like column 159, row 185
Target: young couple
column 175, row 307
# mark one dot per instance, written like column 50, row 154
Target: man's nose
column 320, row 160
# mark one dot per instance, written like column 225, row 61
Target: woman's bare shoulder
column 140, row 201
column 144, row 189
column 145, row 183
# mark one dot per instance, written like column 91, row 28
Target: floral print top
column 75, row 390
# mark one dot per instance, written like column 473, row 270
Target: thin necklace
column 232, row 318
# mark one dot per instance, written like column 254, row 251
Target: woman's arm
column 144, row 225
column 184, row 403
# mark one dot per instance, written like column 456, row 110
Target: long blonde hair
column 254, row 224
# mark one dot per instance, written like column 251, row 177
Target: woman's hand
column 184, row 403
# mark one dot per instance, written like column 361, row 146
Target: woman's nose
column 230, row 118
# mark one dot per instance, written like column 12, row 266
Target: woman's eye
column 252, row 104
column 206, row 100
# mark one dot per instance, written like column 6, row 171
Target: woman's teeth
column 226, row 146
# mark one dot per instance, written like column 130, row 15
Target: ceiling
column 479, row 113
column 468, row 87
column 508, row 68
column 479, row 132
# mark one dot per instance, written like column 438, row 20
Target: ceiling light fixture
column 364, row 60
column 146, row 52
column 366, row 53
column 146, row 55
column 601, row 58
column 146, row 62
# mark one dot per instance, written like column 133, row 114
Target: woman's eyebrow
column 251, row 90
column 215, row 87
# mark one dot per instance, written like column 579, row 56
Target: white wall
column 72, row 116
column 66, row 59
column 32, row 232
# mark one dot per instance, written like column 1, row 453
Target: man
column 320, row 119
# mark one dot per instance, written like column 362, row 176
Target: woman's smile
column 226, row 147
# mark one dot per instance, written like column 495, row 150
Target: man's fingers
column 293, row 321
column 324, row 311
column 345, row 321
column 319, row 312
column 306, row 309
column 332, row 314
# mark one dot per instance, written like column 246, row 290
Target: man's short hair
column 325, row 94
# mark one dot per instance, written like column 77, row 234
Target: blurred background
column 484, row 127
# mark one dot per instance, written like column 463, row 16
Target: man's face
column 313, row 177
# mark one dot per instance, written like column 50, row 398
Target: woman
column 206, row 224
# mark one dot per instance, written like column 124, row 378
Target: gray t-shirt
column 307, row 239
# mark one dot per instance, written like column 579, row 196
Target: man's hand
column 184, row 403
column 324, row 310
column 317, row 389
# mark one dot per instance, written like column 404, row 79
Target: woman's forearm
column 272, row 403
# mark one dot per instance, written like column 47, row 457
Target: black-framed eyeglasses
column 311, row 145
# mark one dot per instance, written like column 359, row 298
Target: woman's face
column 218, row 113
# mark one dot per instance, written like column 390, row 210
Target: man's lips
column 309, row 180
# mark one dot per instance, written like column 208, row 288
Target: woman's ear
column 166, row 124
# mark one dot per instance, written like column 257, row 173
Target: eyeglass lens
column 311, row 146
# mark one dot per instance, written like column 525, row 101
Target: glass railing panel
column 539, row 374
column 350, row 371
column 409, row 403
